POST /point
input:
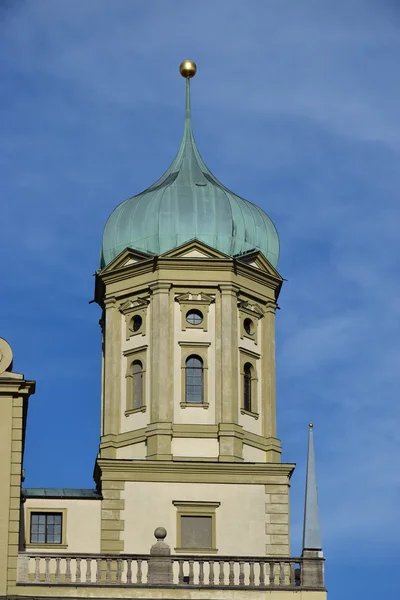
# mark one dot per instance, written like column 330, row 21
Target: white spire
column 311, row 527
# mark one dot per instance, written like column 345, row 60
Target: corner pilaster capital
column 229, row 289
column 270, row 307
column 110, row 302
column 15, row 388
column 160, row 287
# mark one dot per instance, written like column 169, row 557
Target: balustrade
column 132, row 570
column 161, row 569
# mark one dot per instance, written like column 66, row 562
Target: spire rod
column 188, row 99
column 311, row 526
column 188, row 70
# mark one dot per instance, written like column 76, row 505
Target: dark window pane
column 194, row 382
column 136, row 323
column 137, row 384
column 247, row 376
column 196, row 532
column 46, row 528
column 194, row 317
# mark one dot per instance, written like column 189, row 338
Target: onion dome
column 186, row 203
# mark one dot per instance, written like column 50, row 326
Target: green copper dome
column 187, row 203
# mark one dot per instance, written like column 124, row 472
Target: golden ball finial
column 188, row 69
column 310, row 425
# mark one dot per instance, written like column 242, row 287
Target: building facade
column 188, row 287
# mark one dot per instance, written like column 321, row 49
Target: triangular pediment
column 194, row 297
column 257, row 260
column 253, row 307
column 125, row 258
column 194, row 249
column 134, row 304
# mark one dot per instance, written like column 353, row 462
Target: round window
column 249, row 326
column 194, row 317
column 136, row 322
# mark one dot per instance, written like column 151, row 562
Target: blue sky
column 296, row 108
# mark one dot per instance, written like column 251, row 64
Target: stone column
column 160, row 563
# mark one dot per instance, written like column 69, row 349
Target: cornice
column 193, row 471
column 187, row 344
column 135, row 350
column 244, row 350
column 16, row 387
column 255, row 274
column 157, row 264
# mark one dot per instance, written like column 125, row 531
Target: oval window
column 249, row 326
column 194, row 317
column 136, row 322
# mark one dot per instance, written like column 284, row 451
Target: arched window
column 137, row 384
column 194, row 380
column 247, row 377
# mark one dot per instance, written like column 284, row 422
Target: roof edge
column 71, row 493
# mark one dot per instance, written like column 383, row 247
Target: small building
column 191, row 499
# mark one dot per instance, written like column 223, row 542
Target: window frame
column 136, row 306
column 132, row 356
column 188, row 508
column 47, row 511
column 247, row 387
column 140, row 374
column 253, row 312
column 200, row 374
column 199, row 349
column 194, row 300
column 253, row 360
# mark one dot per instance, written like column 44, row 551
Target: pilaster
column 268, row 382
column 111, row 520
column 230, row 438
column 161, row 386
column 277, row 519
column 230, row 434
column 112, row 362
column 159, row 441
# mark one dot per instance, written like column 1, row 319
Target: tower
column 188, row 287
column 14, row 395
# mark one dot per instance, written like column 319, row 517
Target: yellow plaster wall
column 193, row 415
column 195, row 447
column 137, row 450
column 83, row 523
column 139, row 419
column 247, row 422
column 240, row 518
column 251, row 454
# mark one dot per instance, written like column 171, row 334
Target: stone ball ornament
column 160, row 533
column 6, row 356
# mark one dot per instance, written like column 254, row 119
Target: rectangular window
column 196, row 526
column 46, row 528
column 196, row 532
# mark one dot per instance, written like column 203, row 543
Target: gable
column 125, row 258
column 194, row 249
column 194, row 254
column 258, row 261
